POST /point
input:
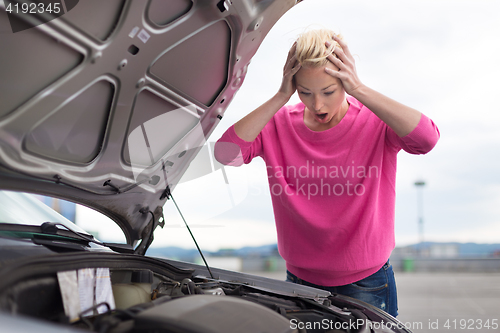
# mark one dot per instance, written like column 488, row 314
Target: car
column 105, row 104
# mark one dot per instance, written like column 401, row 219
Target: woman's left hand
column 401, row 118
column 347, row 69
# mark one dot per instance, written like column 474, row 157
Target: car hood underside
column 107, row 104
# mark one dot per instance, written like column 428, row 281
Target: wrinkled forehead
column 315, row 77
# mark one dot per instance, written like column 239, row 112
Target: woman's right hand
column 291, row 68
column 249, row 127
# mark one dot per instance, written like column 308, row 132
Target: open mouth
column 321, row 116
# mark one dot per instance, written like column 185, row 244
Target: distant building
column 444, row 250
column 428, row 250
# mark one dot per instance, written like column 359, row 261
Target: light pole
column 420, row 211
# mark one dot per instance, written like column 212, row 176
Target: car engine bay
column 180, row 300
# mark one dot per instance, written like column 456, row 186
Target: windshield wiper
column 50, row 228
column 49, row 234
column 47, row 231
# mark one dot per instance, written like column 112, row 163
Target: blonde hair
column 311, row 49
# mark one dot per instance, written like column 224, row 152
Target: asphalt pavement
column 444, row 302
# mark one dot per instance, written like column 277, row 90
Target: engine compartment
column 174, row 299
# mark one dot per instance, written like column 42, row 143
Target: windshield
column 23, row 208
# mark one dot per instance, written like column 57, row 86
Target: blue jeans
column 378, row 289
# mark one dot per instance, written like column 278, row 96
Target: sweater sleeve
column 420, row 141
column 231, row 150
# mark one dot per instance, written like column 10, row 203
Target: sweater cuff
column 423, row 137
column 230, row 148
column 236, row 139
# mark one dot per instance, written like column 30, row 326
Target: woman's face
column 323, row 96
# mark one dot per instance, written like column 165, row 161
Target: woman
column 331, row 163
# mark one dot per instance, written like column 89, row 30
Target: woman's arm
column 249, row 127
column 401, row 118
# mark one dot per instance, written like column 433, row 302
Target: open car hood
column 106, row 103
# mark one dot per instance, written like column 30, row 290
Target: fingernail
column 328, row 43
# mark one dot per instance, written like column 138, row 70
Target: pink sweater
column 333, row 192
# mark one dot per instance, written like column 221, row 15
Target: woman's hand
column 401, row 118
column 347, row 68
column 291, row 67
column 249, row 127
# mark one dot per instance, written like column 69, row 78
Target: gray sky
column 440, row 57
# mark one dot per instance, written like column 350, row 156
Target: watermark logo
column 157, row 148
column 158, row 140
column 354, row 325
column 310, row 180
column 25, row 15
